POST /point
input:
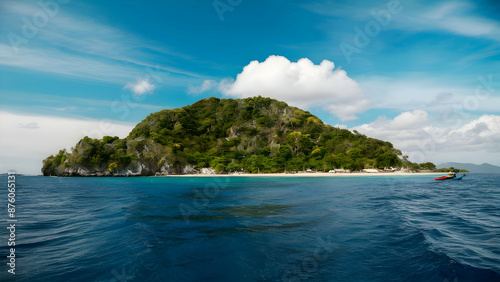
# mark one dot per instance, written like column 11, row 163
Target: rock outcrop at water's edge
column 214, row 136
column 134, row 169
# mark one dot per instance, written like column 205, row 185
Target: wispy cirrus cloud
column 80, row 47
column 456, row 17
column 205, row 86
column 76, row 107
column 432, row 94
column 62, row 63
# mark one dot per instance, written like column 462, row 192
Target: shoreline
column 306, row 174
column 280, row 174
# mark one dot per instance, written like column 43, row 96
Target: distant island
column 482, row 168
column 450, row 169
column 252, row 135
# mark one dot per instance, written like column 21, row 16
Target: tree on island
column 428, row 166
column 253, row 135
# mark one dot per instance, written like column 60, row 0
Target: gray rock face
column 78, row 170
column 207, row 171
column 134, row 169
column 189, row 169
column 138, row 168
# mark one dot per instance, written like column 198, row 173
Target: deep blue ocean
column 380, row 228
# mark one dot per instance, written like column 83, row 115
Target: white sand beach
column 310, row 174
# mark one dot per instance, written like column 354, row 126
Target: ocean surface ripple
column 380, row 228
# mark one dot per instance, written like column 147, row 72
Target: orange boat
column 441, row 178
column 450, row 175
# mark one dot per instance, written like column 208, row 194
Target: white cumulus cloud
column 415, row 134
column 482, row 133
column 24, row 143
column 302, row 84
column 140, row 87
column 405, row 131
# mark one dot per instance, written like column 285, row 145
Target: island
column 221, row 136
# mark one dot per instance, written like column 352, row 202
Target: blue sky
column 403, row 71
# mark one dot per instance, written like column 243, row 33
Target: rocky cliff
column 223, row 135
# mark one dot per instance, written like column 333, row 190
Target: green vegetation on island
column 451, row 169
column 252, row 135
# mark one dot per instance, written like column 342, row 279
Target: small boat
column 441, row 178
column 450, row 176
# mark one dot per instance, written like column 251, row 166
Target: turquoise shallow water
column 256, row 229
